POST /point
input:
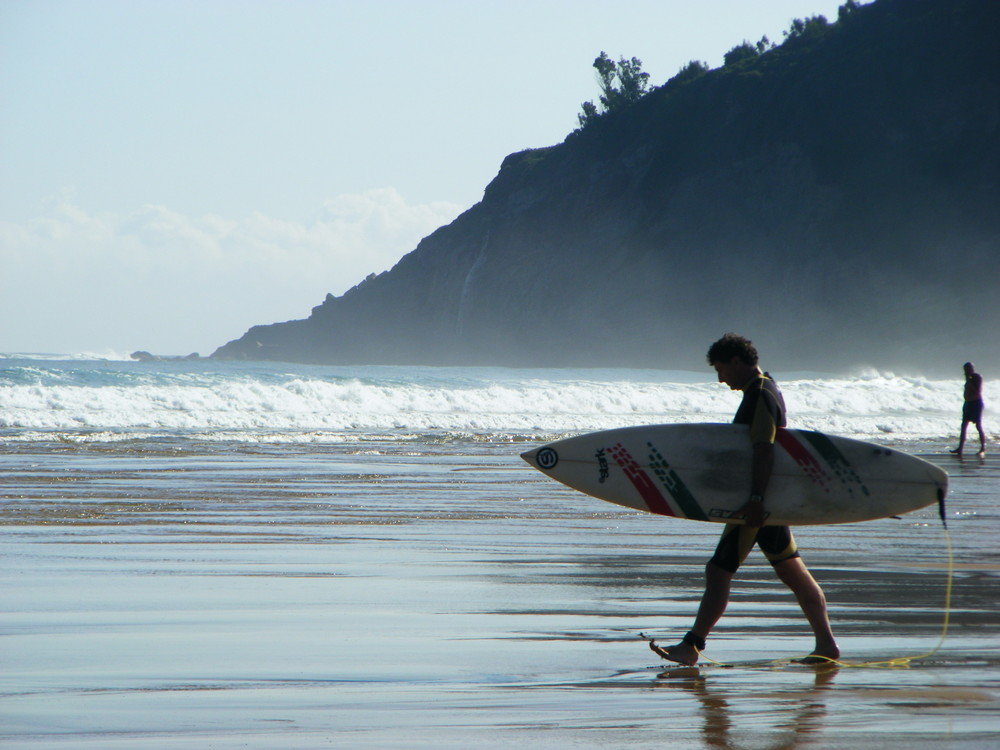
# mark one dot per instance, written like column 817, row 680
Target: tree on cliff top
column 621, row 83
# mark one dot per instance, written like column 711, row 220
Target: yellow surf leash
column 904, row 661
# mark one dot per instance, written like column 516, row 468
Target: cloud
column 110, row 279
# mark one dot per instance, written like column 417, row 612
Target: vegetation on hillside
column 624, row 83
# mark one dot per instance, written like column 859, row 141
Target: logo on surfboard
column 602, row 464
column 546, row 458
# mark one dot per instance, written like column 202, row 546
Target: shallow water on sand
column 421, row 594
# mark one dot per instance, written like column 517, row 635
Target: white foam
column 280, row 402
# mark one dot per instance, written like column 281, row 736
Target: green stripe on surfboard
column 675, row 485
column 835, row 459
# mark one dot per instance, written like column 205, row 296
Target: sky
column 173, row 172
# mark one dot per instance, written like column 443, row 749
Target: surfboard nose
column 544, row 458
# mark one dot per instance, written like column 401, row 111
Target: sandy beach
column 412, row 594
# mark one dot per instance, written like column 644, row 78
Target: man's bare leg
column 794, row 574
column 961, row 438
column 713, row 604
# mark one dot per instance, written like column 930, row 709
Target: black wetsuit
column 763, row 408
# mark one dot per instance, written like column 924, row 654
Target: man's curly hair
column 730, row 346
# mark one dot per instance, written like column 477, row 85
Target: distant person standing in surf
column 763, row 410
column 972, row 409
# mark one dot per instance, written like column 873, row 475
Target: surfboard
column 702, row 472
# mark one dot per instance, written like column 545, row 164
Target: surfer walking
column 763, row 409
column 972, row 409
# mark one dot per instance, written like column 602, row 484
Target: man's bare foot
column 982, row 453
column 821, row 655
column 683, row 653
column 813, row 659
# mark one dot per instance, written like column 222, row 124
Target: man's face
column 732, row 373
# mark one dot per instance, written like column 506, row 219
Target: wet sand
column 411, row 595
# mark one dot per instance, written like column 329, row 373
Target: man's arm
column 977, row 387
column 760, row 475
column 763, row 431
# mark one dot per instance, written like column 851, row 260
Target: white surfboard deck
column 702, row 472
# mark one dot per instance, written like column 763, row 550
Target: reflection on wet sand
column 802, row 710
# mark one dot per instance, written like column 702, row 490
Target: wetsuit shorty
column 763, row 408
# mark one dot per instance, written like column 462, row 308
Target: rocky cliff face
column 836, row 199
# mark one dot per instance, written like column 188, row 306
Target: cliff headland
column 836, row 198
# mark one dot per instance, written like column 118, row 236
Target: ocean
column 266, row 555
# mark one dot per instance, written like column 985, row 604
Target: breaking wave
column 109, row 399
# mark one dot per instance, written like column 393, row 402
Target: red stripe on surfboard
column 803, row 458
column 640, row 480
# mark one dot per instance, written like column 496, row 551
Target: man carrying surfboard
column 763, row 409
